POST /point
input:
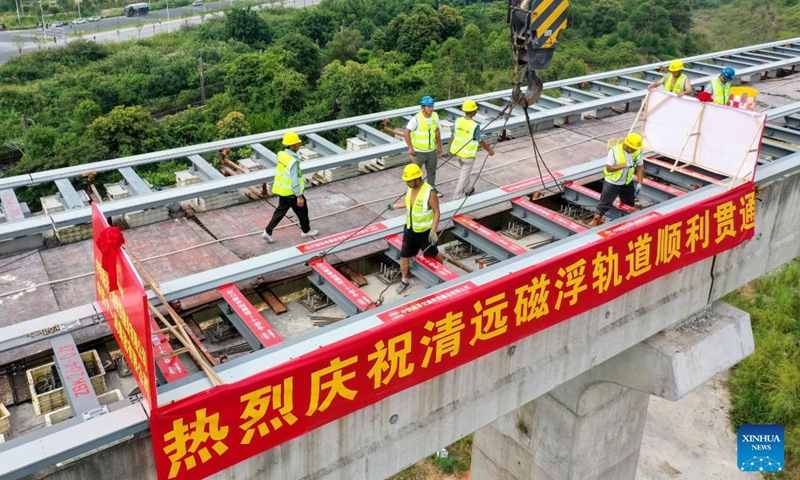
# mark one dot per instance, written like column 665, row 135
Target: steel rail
column 78, row 216
column 182, row 152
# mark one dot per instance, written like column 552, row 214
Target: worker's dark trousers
column 626, row 193
column 284, row 204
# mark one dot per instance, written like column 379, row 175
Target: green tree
column 189, row 127
column 19, row 42
column 286, row 94
column 249, row 73
column 126, row 131
column 472, row 45
column 351, row 89
column 451, row 20
column 318, row 24
column 421, row 28
column 234, row 125
column 344, row 45
column 451, row 79
column 305, row 57
column 85, row 113
column 651, row 19
column 602, row 18
column 247, row 26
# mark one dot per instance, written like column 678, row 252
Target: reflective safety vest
column 423, row 138
column 419, row 216
column 720, row 91
column 677, row 87
column 464, row 144
column 619, row 159
column 283, row 181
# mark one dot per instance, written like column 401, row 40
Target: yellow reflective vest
column 619, row 159
column 677, row 87
column 464, row 144
column 720, row 91
column 283, row 180
column 419, row 216
column 423, row 138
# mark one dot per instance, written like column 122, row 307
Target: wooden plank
column 105, row 357
column 275, row 304
column 353, row 276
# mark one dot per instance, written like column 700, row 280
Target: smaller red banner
column 257, row 324
column 345, row 286
column 431, row 264
column 549, row 214
column 395, row 314
column 591, row 193
column 327, row 242
column 490, row 235
column 664, row 188
column 691, row 173
column 170, row 367
column 629, row 225
column 531, row 182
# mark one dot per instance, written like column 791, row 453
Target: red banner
column 198, row 436
column 334, row 240
column 257, row 324
column 125, row 308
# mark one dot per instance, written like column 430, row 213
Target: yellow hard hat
column 411, row 172
column 675, row 66
column 634, row 141
column 291, row 138
column 469, row 106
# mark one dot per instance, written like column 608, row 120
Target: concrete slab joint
column 591, row 426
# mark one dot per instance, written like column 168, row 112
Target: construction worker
column 422, row 220
column 720, row 86
column 289, row 186
column 466, row 138
column 424, row 140
column 621, row 162
column 675, row 81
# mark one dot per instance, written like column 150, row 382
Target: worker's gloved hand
column 390, row 207
column 433, row 237
column 637, row 190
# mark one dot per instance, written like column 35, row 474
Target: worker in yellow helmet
column 422, row 221
column 424, row 140
column 289, row 186
column 464, row 145
column 622, row 162
column 675, row 81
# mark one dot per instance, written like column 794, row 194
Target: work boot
column 402, row 286
column 266, row 236
column 597, row 220
column 310, row 233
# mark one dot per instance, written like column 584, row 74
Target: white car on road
column 78, row 21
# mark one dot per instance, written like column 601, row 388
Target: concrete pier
column 591, row 426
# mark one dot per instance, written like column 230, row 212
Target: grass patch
column 765, row 387
column 453, row 467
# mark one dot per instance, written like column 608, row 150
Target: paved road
column 122, row 28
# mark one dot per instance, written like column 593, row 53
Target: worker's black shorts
column 413, row 242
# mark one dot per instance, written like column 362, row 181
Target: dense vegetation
column 282, row 67
column 765, row 387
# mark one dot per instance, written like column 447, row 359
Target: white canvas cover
column 715, row 137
